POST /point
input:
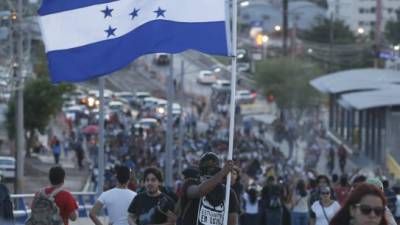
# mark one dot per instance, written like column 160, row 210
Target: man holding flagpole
column 203, row 202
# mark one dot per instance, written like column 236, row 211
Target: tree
column 288, row 80
column 346, row 51
column 392, row 31
column 321, row 32
column 41, row 100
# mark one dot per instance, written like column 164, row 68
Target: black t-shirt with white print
column 146, row 210
column 201, row 212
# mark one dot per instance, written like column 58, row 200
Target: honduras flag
column 85, row 39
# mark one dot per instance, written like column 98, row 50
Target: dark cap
column 209, row 158
column 191, row 172
column 209, row 164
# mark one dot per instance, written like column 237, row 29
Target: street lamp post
column 242, row 4
column 285, row 26
column 20, row 142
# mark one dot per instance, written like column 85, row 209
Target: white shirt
column 300, row 204
column 117, row 201
column 319, row 213
column 397, row 206
column 250, row 208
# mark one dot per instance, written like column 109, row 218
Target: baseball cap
column 376, row 182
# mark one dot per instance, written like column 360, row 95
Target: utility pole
column 101, row 138
column 378, row 24
column 331, row 37
column 169, row 132
column 181, row 125
column 20, row 141
column 285, row 25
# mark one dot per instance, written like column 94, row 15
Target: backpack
column 44, row 209
column 6, row 206
column 274, row 202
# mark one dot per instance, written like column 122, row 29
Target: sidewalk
column 367, row 166
column 66, row 162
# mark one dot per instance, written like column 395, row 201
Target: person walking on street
column 251, row 207
column 80, row 154
column 116, row 200
column 300, row 204
column 323, row 210
column 56, row 148
column 6, row 206
column 390, row 196
column 365, row 205
column 203, row 201
column 331, row 159
column 342, row 154
column 273, row 205
column 53, row 203
column 152, row 206
column 322, row 181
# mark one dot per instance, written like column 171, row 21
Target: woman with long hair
column 300, row 204
column 364, row 206
column 251, row 207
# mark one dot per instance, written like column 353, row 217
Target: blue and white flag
column 85, row 39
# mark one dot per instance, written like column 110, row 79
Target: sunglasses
column 366, row 209
column 325, row 193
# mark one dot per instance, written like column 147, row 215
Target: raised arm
column 197, row 191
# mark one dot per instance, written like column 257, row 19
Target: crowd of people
column 268, row 187
column 200, row 199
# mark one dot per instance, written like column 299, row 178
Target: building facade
column 362, row 13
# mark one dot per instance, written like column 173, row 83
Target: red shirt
column 65, row 202
column 341, row 193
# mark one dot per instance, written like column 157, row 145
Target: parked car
column 7, row 167
column 206, row 77
column 243, row 67
column 221, row 85
column 139, row 96
column 116, row 106
column 151, row 103
column 125, row 95
column 245, row 97
column 147, row 123
column 73, row 111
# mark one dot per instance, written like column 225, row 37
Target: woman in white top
column 250, row 202
column 322, row 211
column 300, row 204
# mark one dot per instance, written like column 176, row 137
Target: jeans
column 274, row 216
column 299, row 218
column 250, row 219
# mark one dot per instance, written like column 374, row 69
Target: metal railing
column 22, row 202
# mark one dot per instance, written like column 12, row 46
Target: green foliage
column 288, row 80
column 41, row 100
column 392, row 32
column 321, row 32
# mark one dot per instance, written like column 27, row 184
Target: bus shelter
column 364, row 112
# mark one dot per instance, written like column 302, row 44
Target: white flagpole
column 101, row 138
column 232, row 105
